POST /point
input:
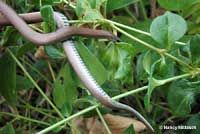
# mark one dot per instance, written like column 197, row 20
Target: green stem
column 97, row 105
column 51, row 71
column 160, row 51
column 72, row 5
column 35, row 84
column 28, row 106
column 101, row 117
column 68, row 119
column 136, row 39
column 38, row 72
column 142, row 9
column 136, row 30
column 177, row 60
column 89, row 109
column 130, row 14
column 103, row 121
column 25, row 118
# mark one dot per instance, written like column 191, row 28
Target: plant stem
column 142, row 9
column 101, row 117
column 51, row 71
column 35, row 84
column 114, row 98
column 136, row 30
column 130, row 14
column 68, row 119
column 38, row 72
column 25, row 118
column 70, row 4
column 136, row 39
column 160, row 51
column 103, row 121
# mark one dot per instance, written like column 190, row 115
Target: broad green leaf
column 56, row 129
column 25, row 48
column 96, row 4
column 59, row 96
column 167, row 29
column 140, row 72
column 7, row 129
column 165, row 69
column 67, row 109
column 23, row 83
column 48, row 17
column 117, row 4
column 81, row 7
column 65, row 76
column 11, row 37
column 92, row 14
column 147, row 61
column 53, row 52
column 194, row 48
column 153, row 83
column 125, row 71
column 130, row 130
column 194, row 121
column 111, row 58
column 8, row 78
column 64, row 87
column 89, row 10
column 176, row 4
column 93, row 64
column 180, row 97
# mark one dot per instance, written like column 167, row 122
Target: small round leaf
column 168, row 28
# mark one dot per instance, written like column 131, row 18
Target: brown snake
column 64, row 31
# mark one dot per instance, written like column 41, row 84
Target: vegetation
column 153, row 68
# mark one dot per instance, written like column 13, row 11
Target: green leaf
column 167, row 29
column 142, row 25
column 67, row 109
column 92, row 63
column 25, row 48
column 147, row 61
column 64, row 87
column 111, row 58
column 96, row 4
column 176, row 4
column 194, row 121
column 140, row 72
column 59, row 96
column 53, row 52
column 81, row 7
column 23, row 83
column 180, row 97
column 48, row 17
column 7, row 129
column 194, row 48
column 11, row 37
column 130, row 130
column 92, row 14
column 8, row 78
column 125, row 71
column 117, row 4
column 153, row 83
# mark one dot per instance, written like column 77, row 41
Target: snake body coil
column 87, row 79
column 70, row 51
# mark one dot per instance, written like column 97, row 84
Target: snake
column 62, row 34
